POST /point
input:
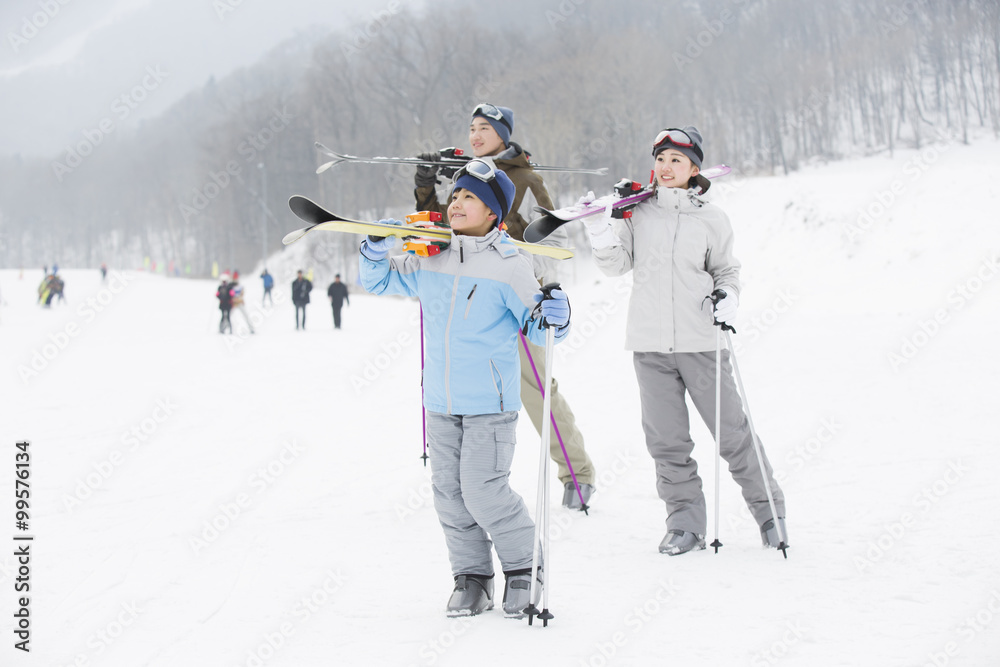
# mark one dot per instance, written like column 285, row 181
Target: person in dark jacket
column 225, row 296
column 300, row 297
column 337, row 291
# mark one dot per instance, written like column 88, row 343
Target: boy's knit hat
column 503, row 125
column 486, row 194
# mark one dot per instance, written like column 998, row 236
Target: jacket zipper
column 493, row 367
column 469, row 300
column 447, row 344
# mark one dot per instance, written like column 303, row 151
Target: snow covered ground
column 199, row 499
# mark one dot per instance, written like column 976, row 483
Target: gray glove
column 426, row 175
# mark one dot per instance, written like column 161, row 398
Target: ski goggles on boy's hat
column 491, row 185
column 687, row 141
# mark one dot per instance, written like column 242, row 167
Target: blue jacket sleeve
column 391, row 275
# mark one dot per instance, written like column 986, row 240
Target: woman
column 680, row 249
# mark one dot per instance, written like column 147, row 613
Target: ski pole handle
column 546, row 291
column 715, row 297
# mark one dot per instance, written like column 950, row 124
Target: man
column 300, row 297
column 338, row 295
column 489, row 138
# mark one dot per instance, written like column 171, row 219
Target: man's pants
column 336, row 317
column 531, row 399
column 297, row 309
column 470, row 459
column 663, row 378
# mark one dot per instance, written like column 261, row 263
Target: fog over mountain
column 66, row 65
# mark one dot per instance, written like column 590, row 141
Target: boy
column 476, row 296
column 489, row 138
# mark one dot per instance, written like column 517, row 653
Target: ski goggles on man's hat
column 483, row 172
column 491, row 111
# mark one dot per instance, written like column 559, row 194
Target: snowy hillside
column 208, row 500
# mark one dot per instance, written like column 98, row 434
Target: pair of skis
column 627, row 195
column 420, row 232
column 451, row 159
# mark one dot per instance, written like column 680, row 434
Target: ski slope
column 224, row 501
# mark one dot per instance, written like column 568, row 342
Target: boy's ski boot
column 518, row 590
column 473, row 595
column 678, row 542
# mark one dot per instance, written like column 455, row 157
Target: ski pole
column 423, row 410
column 555, row 427
column 718, row 428
column 542, row 499
column 756, row 445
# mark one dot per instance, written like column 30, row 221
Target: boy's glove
column 376, row 248
column 426, row 175
column 555, row 310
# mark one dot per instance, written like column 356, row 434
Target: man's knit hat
column 501, row 118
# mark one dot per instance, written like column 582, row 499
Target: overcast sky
column 65, row 64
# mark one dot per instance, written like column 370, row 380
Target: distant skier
column 300, row 297
column 680, row 248
column 104, row 272
column 476, row 296
column 225, row 296
column 337, row 291
column 268, row 284
column 489, row 137
column 57, row 289
column 236, row 290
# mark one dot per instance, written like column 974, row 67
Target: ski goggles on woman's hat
column 676, row 137
column 486, row 173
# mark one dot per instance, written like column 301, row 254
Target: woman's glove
column 725, row 308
